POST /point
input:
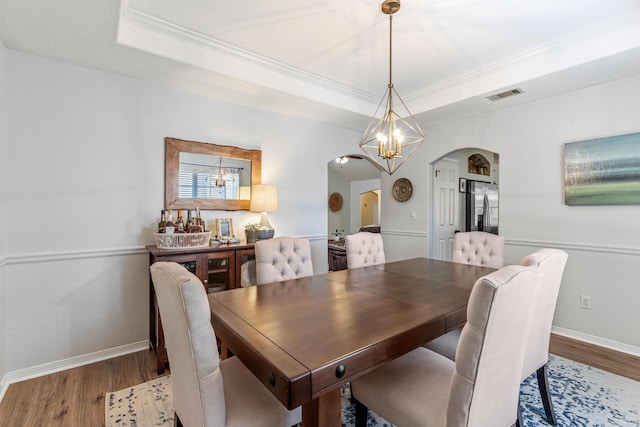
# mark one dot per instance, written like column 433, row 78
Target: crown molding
column 151, row 34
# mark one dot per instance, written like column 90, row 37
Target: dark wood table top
column 304, row 338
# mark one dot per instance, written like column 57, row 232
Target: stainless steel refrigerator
column 481, row 207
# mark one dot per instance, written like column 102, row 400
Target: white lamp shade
column 264, row 198
column 244, row 192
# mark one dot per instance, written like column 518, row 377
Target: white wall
column 602, row 241
column 85, row 159
column 3, row 345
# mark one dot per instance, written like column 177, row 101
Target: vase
column 251, row 235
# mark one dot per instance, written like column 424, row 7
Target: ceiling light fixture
column 390, row 141
column 342, row 160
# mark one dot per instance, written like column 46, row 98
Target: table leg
column 324, row 411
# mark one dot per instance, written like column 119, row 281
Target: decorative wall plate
column 402, row 190
column 335, row 202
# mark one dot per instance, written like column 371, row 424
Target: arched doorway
column 350, row 179
column 454, row 175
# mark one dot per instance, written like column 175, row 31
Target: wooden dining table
column 305, row 338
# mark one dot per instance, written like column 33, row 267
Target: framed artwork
column 224, row 227
column 462, row 185
column 604, row 171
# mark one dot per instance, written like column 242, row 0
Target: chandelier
column 390, row 141
column 219, row 180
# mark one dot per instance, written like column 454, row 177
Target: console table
column 218, row 267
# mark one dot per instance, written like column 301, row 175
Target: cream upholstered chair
column 481, row 388
column 478, row 248
column 206, row 391
column 282, row 258
column 364, row 249
column 552, row 263
column 475, row 248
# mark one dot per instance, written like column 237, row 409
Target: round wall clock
column 402, row 190
column 335, row 202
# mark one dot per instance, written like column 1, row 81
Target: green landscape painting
column 604, row 171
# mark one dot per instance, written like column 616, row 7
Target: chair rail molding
column 71, row 255
column 575, row 246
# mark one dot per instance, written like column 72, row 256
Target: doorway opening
column 454, row 174
column 356, row 182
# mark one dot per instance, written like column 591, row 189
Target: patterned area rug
column 582, row 396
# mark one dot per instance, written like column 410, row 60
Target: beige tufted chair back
column 200, row 396
column 478, row 248
column 196, row 379
column 282, row 258
column 364, row 249
column 552, row 263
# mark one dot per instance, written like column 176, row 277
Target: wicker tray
column 182, row 240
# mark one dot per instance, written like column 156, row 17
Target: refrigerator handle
column 486, row 220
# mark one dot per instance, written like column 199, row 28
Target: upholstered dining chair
column 552, row 263
column 475, row 248
column 282, row 258
column 363, row 249
column 207, row 392
column 481, row 388
column 478, row 248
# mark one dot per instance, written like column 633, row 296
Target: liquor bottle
column 163, row 222
column 195, row 228
column 180, row 226
column 170, row 226
column 189, row 223
column 199, row 221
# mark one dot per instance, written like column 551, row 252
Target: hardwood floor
column 616, row 362
column 75, row 397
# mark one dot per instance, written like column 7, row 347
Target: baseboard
column 4, row 384
column 72, row 362
column 597, row 341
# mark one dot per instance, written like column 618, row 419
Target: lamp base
column 265, row 233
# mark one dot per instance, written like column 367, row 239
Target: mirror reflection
column 209, row 176
column 214, row 177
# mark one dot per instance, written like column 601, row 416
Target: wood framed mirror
column 209, row 176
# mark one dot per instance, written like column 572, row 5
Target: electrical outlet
column 585, row 301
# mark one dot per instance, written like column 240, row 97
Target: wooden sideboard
column 218, row 267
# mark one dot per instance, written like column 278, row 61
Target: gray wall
column 3, row 168
column 85, row 161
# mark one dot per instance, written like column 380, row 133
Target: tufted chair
column 551, row 262
column 282, row 258
column 364, row 249
column 478, row 248
column 481, row 388
column 475, row 248
column 208, row 392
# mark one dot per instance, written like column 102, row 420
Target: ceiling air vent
column 506, row 94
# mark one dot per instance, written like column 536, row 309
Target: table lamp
column 264, row 198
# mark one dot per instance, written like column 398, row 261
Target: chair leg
column 543, row 386
column 361, row 414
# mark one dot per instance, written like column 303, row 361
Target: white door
column 445, row 208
